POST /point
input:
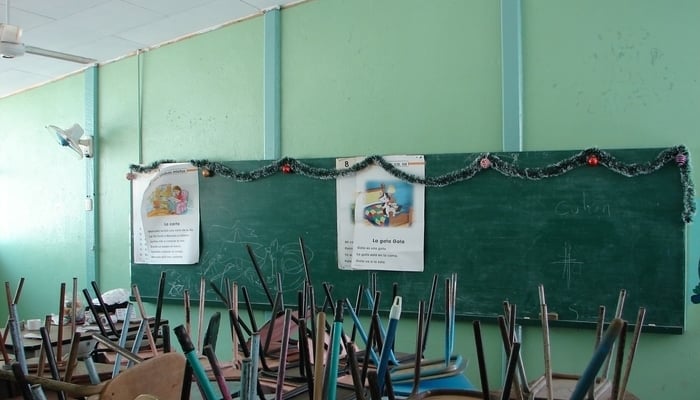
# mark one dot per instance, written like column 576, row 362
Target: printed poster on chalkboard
column 381, row 218
column 165, row 215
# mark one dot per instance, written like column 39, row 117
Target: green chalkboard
column 585, row 235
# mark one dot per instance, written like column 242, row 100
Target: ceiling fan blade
column 58, row 55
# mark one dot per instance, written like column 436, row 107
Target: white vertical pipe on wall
column 91, row 208
column 512, row 76
column 271, row 85
column 512, row 85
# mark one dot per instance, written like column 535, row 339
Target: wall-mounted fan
column 74, row 138
column 11, row 45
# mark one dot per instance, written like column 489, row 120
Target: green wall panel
column 360, row 77
column 204, row 95
column 601, row 73
column 42, row 208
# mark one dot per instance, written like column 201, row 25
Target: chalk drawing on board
column 569, row 265
column 229, row 260
column 177, row 283
column 284, row 259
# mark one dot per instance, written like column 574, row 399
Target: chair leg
column 22, row 381
column 187, row 383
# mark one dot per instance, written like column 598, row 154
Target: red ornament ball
column 286, row 168
column 592, row 160
column 485, row 163
column 681, row 159
column 207, row 173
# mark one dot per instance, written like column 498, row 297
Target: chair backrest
column 469, row 394
column 160, row 377
column 212, row 332
column 599, row 355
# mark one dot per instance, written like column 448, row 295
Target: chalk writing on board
column 564, row 208
column 568, row 265
column 572, row 309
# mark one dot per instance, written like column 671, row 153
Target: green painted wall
column 612, row 74
column 360, row 77
column 42, row 233
column 356, row 76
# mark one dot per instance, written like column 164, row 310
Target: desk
column 563, row 386
column 79, row 384
column 32, row 339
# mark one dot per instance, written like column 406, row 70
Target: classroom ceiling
column 105, row 30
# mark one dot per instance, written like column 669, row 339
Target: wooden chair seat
column 563, row 386
column 449, row 394
column 160, row 377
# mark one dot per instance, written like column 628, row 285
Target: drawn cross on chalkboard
column 567, row 261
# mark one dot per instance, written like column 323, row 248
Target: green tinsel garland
column 591, row 156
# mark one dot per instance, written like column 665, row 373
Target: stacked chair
column 299, row 353
column 593, row 383
column 80, row 373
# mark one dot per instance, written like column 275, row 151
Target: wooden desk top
column 32, row 339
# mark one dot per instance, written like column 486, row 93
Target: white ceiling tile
column 25, row 20
column 112, row 17
column 57, row 35
column 170, row 7
column 15, row 80
column 193, row 20
column 106, row 29
column 265, row 4
column 30, row 70
column 54, row 9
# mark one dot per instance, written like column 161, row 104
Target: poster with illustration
column 381, row 217
column 165, row 215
